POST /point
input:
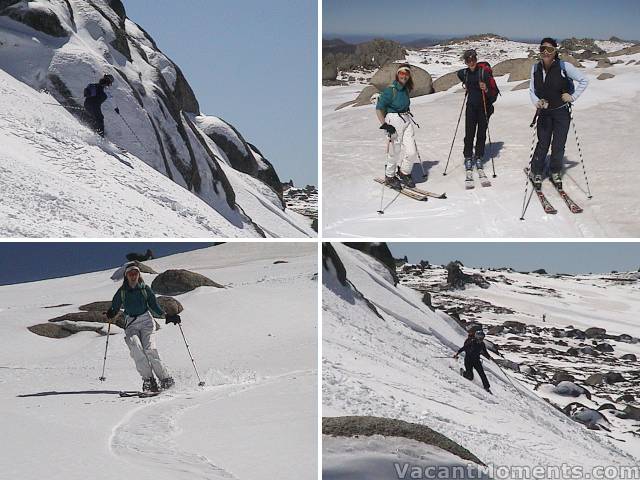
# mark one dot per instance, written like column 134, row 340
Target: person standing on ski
column 474, row 347
column 552, row 91
column 481, row 91
column 395, row 118
column 94, row 96
column 139, row 302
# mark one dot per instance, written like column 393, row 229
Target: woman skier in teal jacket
column 139, row 303
column 393, row 113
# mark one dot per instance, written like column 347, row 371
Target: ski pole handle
column 535, row 118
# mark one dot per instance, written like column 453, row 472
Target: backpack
column 571, row 87
column 492, row 88
column 91, row 90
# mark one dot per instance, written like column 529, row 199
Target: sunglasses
column 404, row 74
column 131, row 273
column 547, row 49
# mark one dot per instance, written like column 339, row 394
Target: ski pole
column 510, row 381
column 381, row 211
column 134, row 133
column 200, row 382
column 486, row 117
column 106, row 347
column 525, row 203
column 455, row 133
column 584, row 171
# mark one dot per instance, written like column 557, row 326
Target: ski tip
column 590, row 197
column 201, row 384
column 380, row 212
column 444, row 174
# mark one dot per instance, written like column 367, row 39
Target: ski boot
column 406, row 179
column 167, row 383
column 556, row 179
column 477, row 161
column 536, row 179
column 468, row 167
column 392, row 182
column 484, row 181
column 150, row 385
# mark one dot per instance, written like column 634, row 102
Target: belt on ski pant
column 133, row 319
column 408, row 112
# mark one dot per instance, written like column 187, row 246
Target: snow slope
column 354, row 153
column 386, row 366
column 257, row 355
column 157, row 125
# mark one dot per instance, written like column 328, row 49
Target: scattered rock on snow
column 515, row 327
column 629, row 356
column 170, row 305
column 605, row 76
column 445, row 82
column 632, row 412
column 562, row 376
column 423, row 84
column 570, row 389
column 176, row 282
column 604, row 347
column 595, row 332
column 50, row 330
column 518, row 69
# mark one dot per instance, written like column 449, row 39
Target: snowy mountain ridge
column 381, row 357
column 68, row 44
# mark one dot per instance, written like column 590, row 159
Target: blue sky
column 27, row 261
column 250, row 62
column 554, row 257
column 521, row 19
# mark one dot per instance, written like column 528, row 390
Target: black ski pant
column 475, row 120
column 553, row 127
column 469, row 365
column 94, row 117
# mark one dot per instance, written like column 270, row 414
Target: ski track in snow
column 146, row 435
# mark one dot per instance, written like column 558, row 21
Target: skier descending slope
column 94, row 96
column 393, row 112
column 138, row 301
column 474, row 347
column 552, row 91
column 482, row 92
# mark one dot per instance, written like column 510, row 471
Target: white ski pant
column 141, row 339
column 404, row 138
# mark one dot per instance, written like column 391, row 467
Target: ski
column 573, row 206
column 409, row 192
column 139, row 394
column 468, row 181
column 484, row 180
column 429, row 194
column 546, row 204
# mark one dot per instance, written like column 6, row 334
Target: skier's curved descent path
column 146, row 436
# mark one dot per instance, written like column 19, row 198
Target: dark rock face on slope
column 338, row 55
column 457, row 279
column 379, row 251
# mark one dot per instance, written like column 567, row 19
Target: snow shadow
column 78, row 392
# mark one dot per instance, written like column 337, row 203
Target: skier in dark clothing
column 552, row 92
column 474, row 347
column 481, row 92
column 94, row 97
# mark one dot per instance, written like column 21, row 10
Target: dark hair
column 552, row 41
column 409, row 84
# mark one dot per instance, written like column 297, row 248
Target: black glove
column 175, row 319
column 391, row 130
column 111, row 313
column 117, row 110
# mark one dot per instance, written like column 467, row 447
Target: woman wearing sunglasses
column 552, row 91
column 393, row 113
column 476, row 79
